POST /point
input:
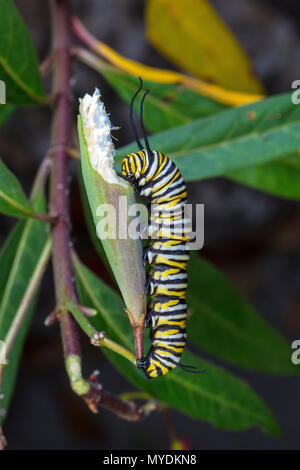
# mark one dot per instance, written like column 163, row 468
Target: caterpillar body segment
column 155, row 176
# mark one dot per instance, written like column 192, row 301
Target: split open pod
column 112, row 202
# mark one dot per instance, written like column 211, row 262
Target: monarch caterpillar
column 155, row 176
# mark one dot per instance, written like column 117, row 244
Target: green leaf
column 18, row 60
column 280, row 178
column 11, row 370
column 232, row 140
column 5, row 111
column 7, row 254
column 215, row 396
column 167, row 105
column 22, row 259
column 31, row 244
column 224, row 325
column 12, row 198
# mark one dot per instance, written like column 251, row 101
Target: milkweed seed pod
column 108, row 193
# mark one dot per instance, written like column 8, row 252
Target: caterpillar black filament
column 155, row 176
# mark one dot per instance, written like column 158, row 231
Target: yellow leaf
column 215, row 92
column 191, row 34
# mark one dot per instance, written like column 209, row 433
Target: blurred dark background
column 254, row 238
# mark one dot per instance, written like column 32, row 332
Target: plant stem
column 60, row 139
column 45, row 218
column 61, row 129
column 92, row 60
column 41, row 177
column 124, row 409
column 98, row 338
column 83, row 34
column 65, row 293
column 45, row 65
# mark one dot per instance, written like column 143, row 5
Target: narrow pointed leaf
column 18, row 60
column 214, row 396
column 7, row 254
column 5, row 111
column 137, row 69
column 168, row 106
column 232, row 140
column 23, row 259
column 224, row 325
column 12, row 198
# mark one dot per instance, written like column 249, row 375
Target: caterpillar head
column 130, row 171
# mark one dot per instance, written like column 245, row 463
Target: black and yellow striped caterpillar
column 155, row 176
